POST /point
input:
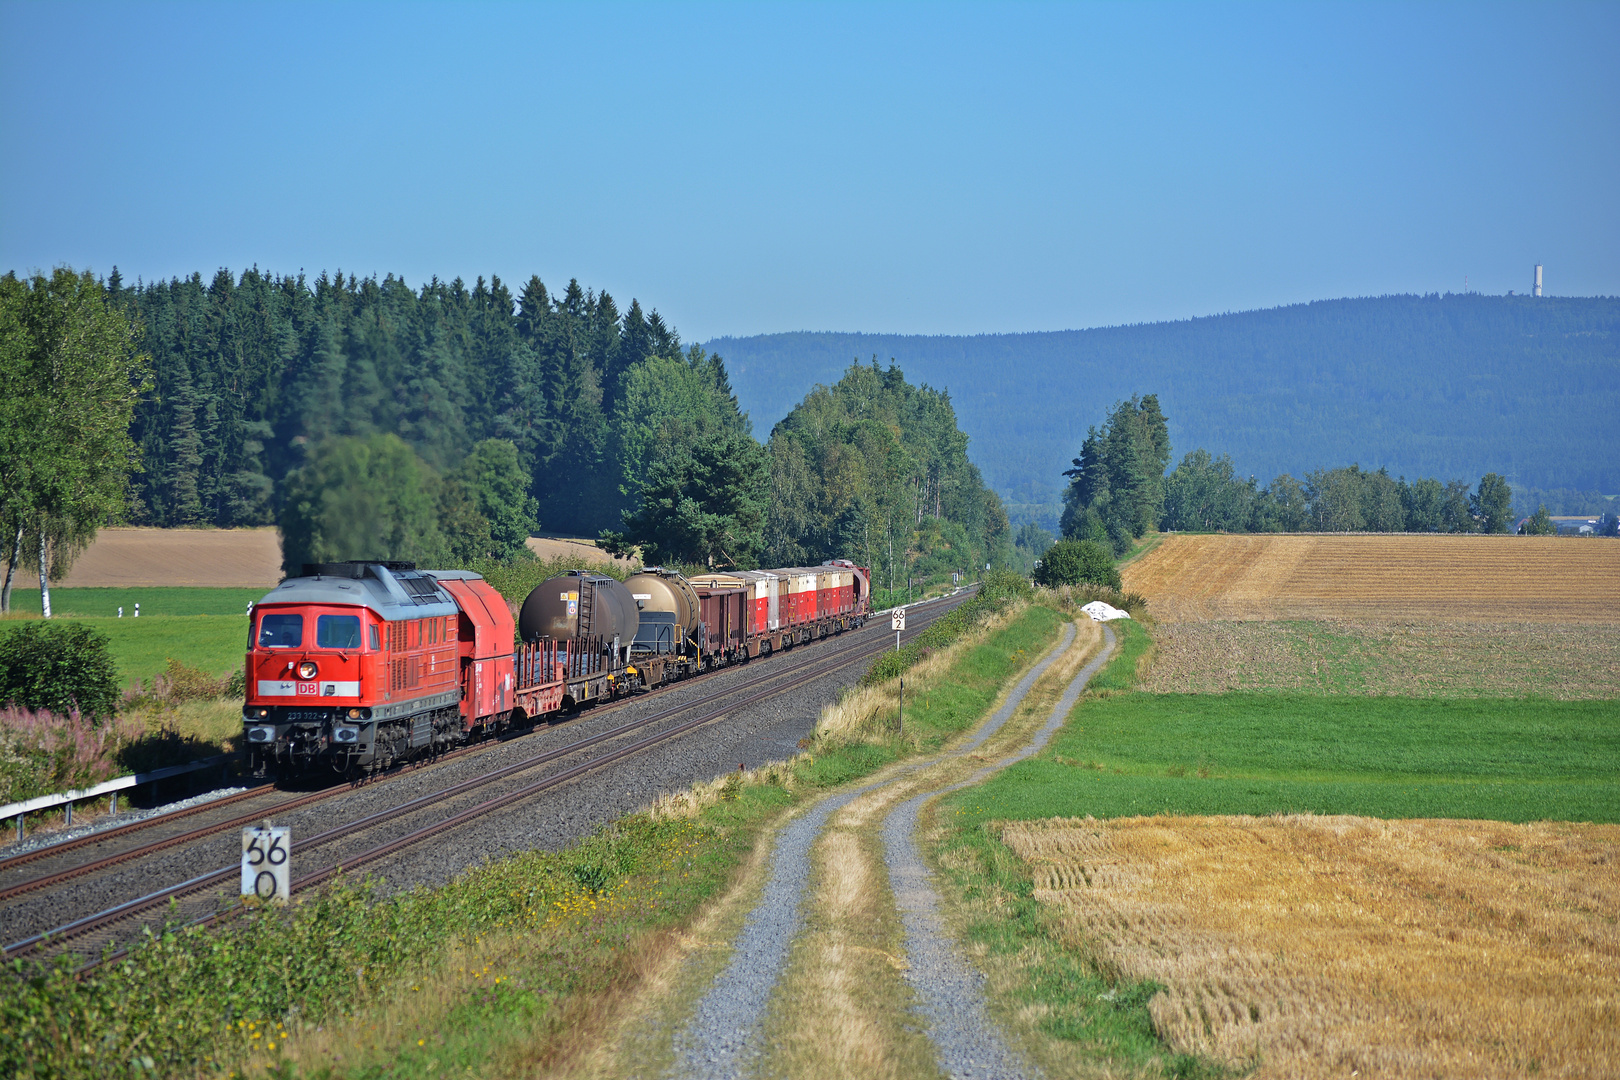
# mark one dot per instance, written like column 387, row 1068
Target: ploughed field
column 1391, row 577
column 1327, row 946
column 147, row 558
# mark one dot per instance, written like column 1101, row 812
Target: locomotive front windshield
column 337, row 632
column 281, row 631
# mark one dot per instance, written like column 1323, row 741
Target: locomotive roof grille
column 422, row 589
column 395, row 590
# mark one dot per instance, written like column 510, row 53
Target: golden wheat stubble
column 1322, row 945
column 1393, row 577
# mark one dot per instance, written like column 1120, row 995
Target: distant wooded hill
column 1446, row 386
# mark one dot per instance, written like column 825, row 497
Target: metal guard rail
column 20, row 810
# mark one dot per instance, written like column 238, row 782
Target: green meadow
column 94, row 603
column 1125, row 753
column 201, row 628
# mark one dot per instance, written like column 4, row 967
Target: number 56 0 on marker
column 267, row 863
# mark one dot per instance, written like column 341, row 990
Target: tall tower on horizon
column 1537, row 290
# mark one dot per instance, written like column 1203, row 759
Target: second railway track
column 157, row 821
column 100, row 928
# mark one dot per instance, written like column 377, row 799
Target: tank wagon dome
column 579, row 604
column 659, row 590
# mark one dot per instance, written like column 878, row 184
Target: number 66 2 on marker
column 267, row 863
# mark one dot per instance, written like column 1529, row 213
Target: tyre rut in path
column 724, row 1037
column 951, row 990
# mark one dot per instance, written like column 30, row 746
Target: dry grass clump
column 1323, row 946
column 1393, row 577
column 690, row 802
column 869, row 713
column 1472, row 659
column 1071, row 598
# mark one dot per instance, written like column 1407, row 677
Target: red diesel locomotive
column 355, row 666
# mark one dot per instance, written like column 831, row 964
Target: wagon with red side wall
column 780, row 608
column 354, row 666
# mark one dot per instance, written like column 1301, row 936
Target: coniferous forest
column 250, row 372
column 369, row 419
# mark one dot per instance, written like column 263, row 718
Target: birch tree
column 72, row 376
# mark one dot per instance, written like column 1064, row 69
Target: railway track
column 96, row 839
column 767, row 686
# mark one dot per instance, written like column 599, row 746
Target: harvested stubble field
column 1324, row 946
column 1392, row 578
column 1431, row 658
column 145, row 558
column 135, row 558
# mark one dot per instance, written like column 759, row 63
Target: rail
column 530, row 659
column 712, row 710
column 21, row 810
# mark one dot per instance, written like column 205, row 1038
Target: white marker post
column 267, row 863
column 897, row 620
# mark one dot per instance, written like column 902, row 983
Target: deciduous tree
column 1075, row 562
column 1540, row 523
column 72, row 376
column 1492, row 504
column 703, row 502
column 357, row 498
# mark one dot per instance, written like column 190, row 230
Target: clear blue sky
column 761, row 167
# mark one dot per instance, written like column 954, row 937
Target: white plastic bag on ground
column 1101, row 612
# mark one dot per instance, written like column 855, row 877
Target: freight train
column 353, row 667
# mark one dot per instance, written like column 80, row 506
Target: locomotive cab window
column 337, row 632
column 281, row 631
column 376, row 645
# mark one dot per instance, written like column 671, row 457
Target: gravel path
column 725, row 1035
column 951, row 990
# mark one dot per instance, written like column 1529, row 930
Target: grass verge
column 509, row 969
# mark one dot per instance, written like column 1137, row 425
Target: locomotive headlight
column 308, row 670
column 354, row 714
column 261, row 713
